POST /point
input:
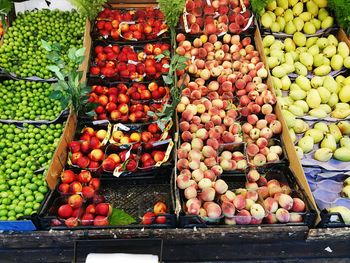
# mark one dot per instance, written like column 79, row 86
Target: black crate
column 281, row 173
column 135, row 197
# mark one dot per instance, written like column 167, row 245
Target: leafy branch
column 341, row 10
column 69, row 89
column 177, row 63
column 259, row 5
column 88, row 8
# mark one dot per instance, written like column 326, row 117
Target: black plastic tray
column 135, row 197
column 331, row 220
column 281, row 173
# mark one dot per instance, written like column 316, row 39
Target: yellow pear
column 344, row 94
column 329, row 142
column 323, row 154
column 313, row 99
column 335, row 131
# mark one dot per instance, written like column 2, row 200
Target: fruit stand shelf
column 179, row 245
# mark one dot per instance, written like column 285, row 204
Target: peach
column 266, row 133
column 252, row 150
column 220, row 186
column 213, row 211
column 209, row 174
column 217, row 169
column 260, row 124
column 228, row 209
column 271, row 219
column 203, row 167
column 298, row 205
column 213, row 142
column 272, row 157
column 247, row 127
column 237, row 156
column 239, row 202
column 186, row 136
column 259, row 159
column 207, row 194
column 263, row 191
column 205, row 74
column 255, row 134
column 274, row 190
column 242, row 165
column 261, row 143
column 235, row 128
column 187, row 115
column 253, row 195
column 251, row 186
column 204, row 183
column 186, row 146
column 249, row 203
column 182, row 164
column 209, row 151
column 193, row 128
column 230, row 221
column 186, row 172
column 276, row 127
column 243, row 217
column 257, row 211
column 271, row 204
column 228, row 137
column 285, row 201
column 193, row 209
column 182, row 154
column 265, row 151
column 270, row 117
column 197, row 175
column 282, row 215
column 185, row 100
column 201, row 134
column 183, row 181
column 200, row 64
column 195, row 155
column 227, row 155
column 184, row 126
column 266, row 109
column 205, row 117
column 276, row 149
column 210, row 162
column 186, row 45
column 197, row 143
column 180, row 37
column 202, row 212
column 253, row 175
column 194, row 164
column 213, row 85
column 200, row 108
column 262, row 181
column 295, row 218
column 190, row 192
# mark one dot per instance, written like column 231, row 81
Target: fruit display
column 290, row 16
column 313, row 56
column 22, row 52
column 88, row 151
column 130, row 25
column 25, row 152
column 148, row 133
column 27, row 100
column 78, row 202
column 128, row 62
column 227, row 104
column 128, row 104
column 322, row 141
column 321, row 98
column 156, row 216
column 216, row 17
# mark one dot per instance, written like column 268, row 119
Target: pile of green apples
column 302, row 55
column 24, row 151
column 292, row 16
column 27, row 100
column 332, row 139
column 22, row 52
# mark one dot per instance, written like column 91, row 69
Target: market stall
column 213, row 126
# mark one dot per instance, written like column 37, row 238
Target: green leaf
column 181, row 66
column 166, row 53
column 64, row 102
column 166, row 66
column 91, row 113
column 71, row 53
column 80, row 52
column 53, row 68
column 59, row 75
column 56, row 47
column 159, row 57
column 120, row 218
column 151, row 113
column 55, row 94
column 182, row 59
column 168, row 79
column 46, row 45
